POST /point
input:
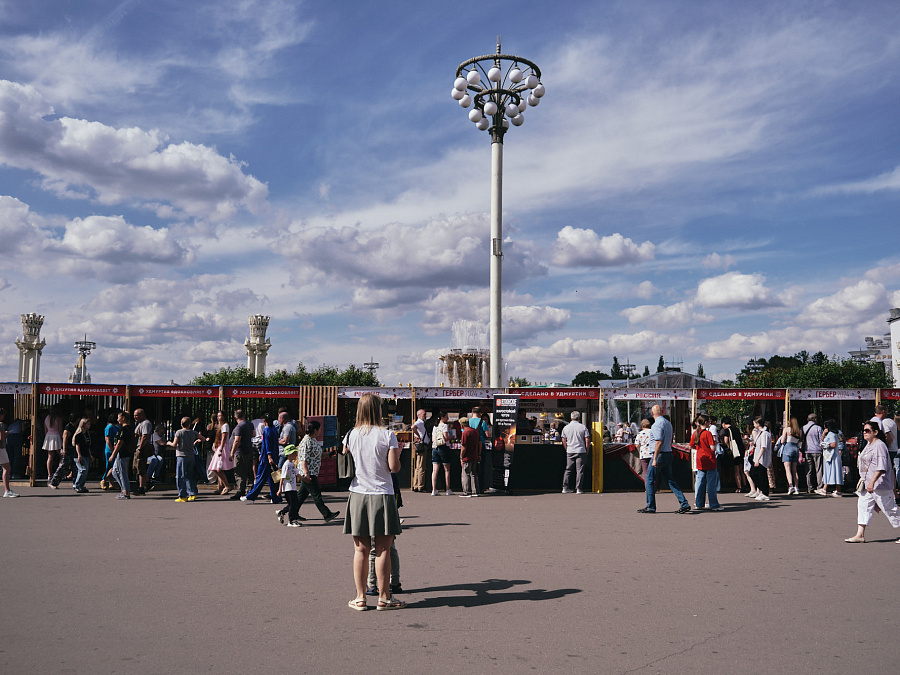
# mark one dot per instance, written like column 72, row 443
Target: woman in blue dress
column 833, row 473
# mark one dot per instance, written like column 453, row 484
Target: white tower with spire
column 30, row 347
column 257, row 345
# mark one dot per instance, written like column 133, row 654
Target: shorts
column 141, row 460
column 790, row 453
column 4, row 457
column 440, row 454
column 371, row 515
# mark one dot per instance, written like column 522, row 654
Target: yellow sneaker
column 181, row 499
column 192, row 498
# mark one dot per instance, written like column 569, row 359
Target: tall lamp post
column 502, row 87
column 84, row 348
column 628, row 367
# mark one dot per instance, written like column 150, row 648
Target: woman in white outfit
column 876, row 483
column 53, row 444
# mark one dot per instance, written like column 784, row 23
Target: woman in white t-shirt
column 371, row 507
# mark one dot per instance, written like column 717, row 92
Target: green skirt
column 371, row 515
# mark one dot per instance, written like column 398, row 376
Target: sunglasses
column 868, row 431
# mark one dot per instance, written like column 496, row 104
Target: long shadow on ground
column 485, row 593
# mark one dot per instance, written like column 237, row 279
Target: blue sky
column 710, row 182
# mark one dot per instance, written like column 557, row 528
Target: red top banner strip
column 557, row 393
column 82, row 389
column 890, row 394
column 261, row 392
column 186, row 392
column 741, row 394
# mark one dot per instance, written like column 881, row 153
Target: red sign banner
column 561, row 393
column 262, row 392
column 890, row 394
column 82, row 389
column 166, row 392
column 741, row 394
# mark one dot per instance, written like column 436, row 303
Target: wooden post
column 597, row 456
column 222, row 400
column 32, row 454
column 413, row 457
column 128, row 409
column 878, row 397
column 787, row 406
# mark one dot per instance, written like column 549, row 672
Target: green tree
column 324, row 375
column 589, row 378
column 817, row 371
column 519, row 382
column 661, row 366
column 616, row 372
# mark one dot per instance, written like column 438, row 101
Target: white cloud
column 599, row 349
column 781, row 341
column 736, row 291
column 895, row 299
column 397, row 265
column 850, row 305
column 120, row 166
column 111, row 239
column 715, row 261
column 521, row 322
column 887, row 181
column 577, row 247
column 645, row 290
column 679, row 314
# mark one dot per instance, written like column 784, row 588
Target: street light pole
column 502, row 86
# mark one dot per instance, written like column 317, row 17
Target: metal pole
column 496, row 259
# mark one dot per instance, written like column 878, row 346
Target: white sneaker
column 762, row 498
column 449, row 493
column 566, row 491
column 10, row 493
column 753, row 494
column 435, row 493
column 579, row 492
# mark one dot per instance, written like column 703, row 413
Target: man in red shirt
column 468, row 456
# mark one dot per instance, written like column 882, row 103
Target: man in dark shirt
column 242, row 453
column 122, row 453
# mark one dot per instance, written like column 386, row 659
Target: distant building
column 884, row 350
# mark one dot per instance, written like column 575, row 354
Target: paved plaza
column 528, row 583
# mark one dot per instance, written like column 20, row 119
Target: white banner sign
column 383, row 392
column 832, row 394
column 15, row 388
column 635, row 394
column 450, row 392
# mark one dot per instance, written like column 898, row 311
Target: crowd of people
column 822, row 448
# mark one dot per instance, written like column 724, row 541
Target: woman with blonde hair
column 372, row 507
column 221, row 460
column 790, row 453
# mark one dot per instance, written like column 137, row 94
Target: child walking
column 288, row 488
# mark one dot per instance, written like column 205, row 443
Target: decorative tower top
column 31, row 326
column 258, row 325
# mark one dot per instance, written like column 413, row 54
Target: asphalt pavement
column 500, row 584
